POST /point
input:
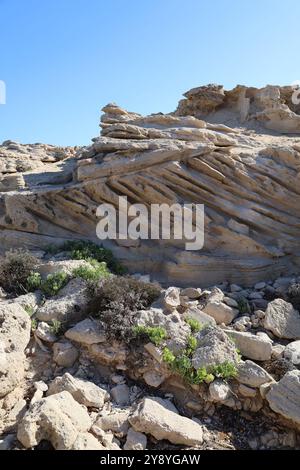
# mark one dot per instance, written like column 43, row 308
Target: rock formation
column 246, row 176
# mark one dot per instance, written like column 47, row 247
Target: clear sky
column 63, row 60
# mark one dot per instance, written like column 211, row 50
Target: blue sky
column 63, row 60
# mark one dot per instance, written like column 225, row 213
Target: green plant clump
column 87, row 250
column 225, row 370
column 94, row 272
column 57, row 327
column 34, row 281
column 53, row 283
column 156, row 334
column 194, row 324
column 243, row 305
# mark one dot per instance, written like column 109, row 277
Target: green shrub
column 168, row 356
column 225, row 370
column 92, row 273
column 194, row 324
column 15, row 268
column 34, row 281
column 53, row 283
column 117, row 299
column 57, row 327
column 33, row 324
column 191, row 345
column 243, row 305
column 156, row 334
column 87, row 250
column 29, row 309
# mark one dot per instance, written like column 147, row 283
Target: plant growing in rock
column 194, row 324
column 243, row 306
column 225, row 370
column 15, row 269
column 156, row 334
column 88, row 251
column 34, row 281
column 57, row 327
column 53, row 283
column 117, row 299
column 94, row 272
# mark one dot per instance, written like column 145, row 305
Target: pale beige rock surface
column 152, row 418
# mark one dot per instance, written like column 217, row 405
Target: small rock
column 219, row 391
column 84, row 392
column 191, row 293
column 260, row 286
column 120, row 394
column 154, row 378
column 64, row 354
column 116, row 422
column 292, row 352
column 215, row 307
column 247, row 391
column 172, row 298
column 135, row 440
column 87, row 332
column 235, row 288
column 282, row 319
column 252, row 374
column 251, row 346
column 277, row 351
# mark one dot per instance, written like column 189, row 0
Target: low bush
column 116, row 300
column 243, row 306
column 87, row 250
column 15, row 269
column 53, row 283
column 156, row 334
column 194, row 324
column 92, row 273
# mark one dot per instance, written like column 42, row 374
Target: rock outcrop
column 247, row 178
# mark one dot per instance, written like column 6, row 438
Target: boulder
column 87, row 332
column 120, row 394
column 14, row 336
column 284, row 397
column 116, row 422
column 252, row 374
column 213, row 347
column 45, row 333
column 64, row 353
column 176, row 328
column 135, row 440
column 219, row 391
column 282, row 319
column 251, row 346
column 84, row 392
column 58, row 419
column 191, row 293
column 150, row 417
column 216, row 308
column 197, row 314
column 292, row 352
column 69, row 305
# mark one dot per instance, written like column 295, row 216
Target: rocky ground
column 66, row 383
